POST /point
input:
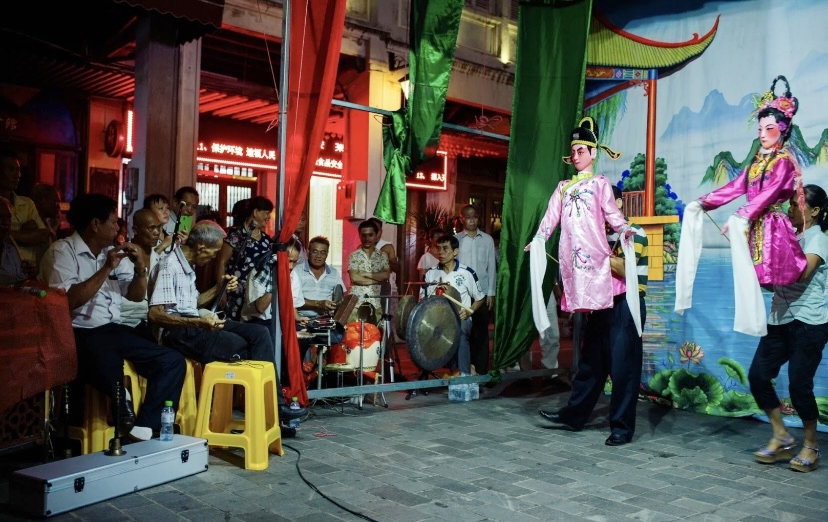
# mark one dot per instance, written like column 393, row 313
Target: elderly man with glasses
column 318, row 279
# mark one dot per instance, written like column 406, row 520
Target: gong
column 433, row 333
column 404, row 308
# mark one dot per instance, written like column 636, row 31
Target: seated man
column 450, row 272
column 174, row 303
column 318, row 279
column 258, row 297
column 146, row 235
column 94, row 276
column 11, row 270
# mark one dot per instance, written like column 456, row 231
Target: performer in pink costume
column 582, row 205
column 770, row 180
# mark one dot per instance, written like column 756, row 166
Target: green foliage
column 691, row 390
column 734, row 370
column 664, row 205
column 660, row 383
column 735, row 404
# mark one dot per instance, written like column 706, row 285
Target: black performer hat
column 586, row 133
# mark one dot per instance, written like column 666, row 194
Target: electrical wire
column 317, row 490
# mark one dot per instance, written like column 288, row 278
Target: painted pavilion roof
column 611, row 46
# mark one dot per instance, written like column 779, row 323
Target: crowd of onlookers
column 168, row 286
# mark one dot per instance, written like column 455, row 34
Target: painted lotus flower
column 690, row 352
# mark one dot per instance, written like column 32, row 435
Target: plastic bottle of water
column 294, row 405
column 167, row 420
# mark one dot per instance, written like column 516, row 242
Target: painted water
column 696, row 361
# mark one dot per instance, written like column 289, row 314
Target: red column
column 649, row 169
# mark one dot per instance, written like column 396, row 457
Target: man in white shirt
column 94, row 276
column 477, row 251
column 429, row 259
column 318, row 279
column 452, row 273
column 146, row 231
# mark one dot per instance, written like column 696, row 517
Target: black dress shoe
column 617, row 440
column 557, row 422
column 127, row 418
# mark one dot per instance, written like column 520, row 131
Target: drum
column 370, row 357
column 337, row 354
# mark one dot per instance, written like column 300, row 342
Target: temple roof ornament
column 611, row 46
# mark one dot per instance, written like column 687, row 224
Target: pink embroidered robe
column 768, row 183
column 582, row 206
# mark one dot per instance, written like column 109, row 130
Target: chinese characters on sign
column 329, row 163
column 430, row 175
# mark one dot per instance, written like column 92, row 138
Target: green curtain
column 414, row 132
column 547, row 103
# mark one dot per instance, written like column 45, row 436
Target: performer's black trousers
column 479, row 339
column 613, row 347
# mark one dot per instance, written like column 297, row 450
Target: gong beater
column 433, row 333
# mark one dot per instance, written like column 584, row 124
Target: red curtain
column 315, row 41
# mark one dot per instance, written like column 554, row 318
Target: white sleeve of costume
column 537, row 270
column 631, row 275
column 751, row 316
column 690, row 247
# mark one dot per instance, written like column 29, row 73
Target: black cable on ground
column 326, row 497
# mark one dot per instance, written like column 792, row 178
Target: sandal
column 766, row 455
column 805, row 465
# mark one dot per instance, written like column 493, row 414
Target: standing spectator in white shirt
column 94, row 276
column 429, row 259
column 477, row 251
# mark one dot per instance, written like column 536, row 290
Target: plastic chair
column 95, row 433
column 260, row 431
column 185, row 415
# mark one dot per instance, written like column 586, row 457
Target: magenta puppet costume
column 582, row 205
column 768, row 182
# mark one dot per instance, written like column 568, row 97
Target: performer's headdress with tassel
column 586, row 133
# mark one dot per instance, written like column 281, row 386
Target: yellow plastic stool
column 95, row 433
column 261, row 433
column 187, row 412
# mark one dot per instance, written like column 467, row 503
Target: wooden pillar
column 166, row 107
column 649, row 169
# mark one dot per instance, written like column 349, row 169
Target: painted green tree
column 664, row 205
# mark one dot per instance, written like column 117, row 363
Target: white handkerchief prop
column 751, row 316
column 631, row 275
column 537, row 270
column 688, row 256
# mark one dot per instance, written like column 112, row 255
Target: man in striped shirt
column 613, row 347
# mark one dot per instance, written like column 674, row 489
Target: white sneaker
column 141, row 433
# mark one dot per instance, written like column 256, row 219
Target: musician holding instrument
column 451, row 272
column 243, row 246
column 318, row 279
column 176, row 306
column 258, row 296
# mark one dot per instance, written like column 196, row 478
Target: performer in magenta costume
column 771, row 179
column 582, row 205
